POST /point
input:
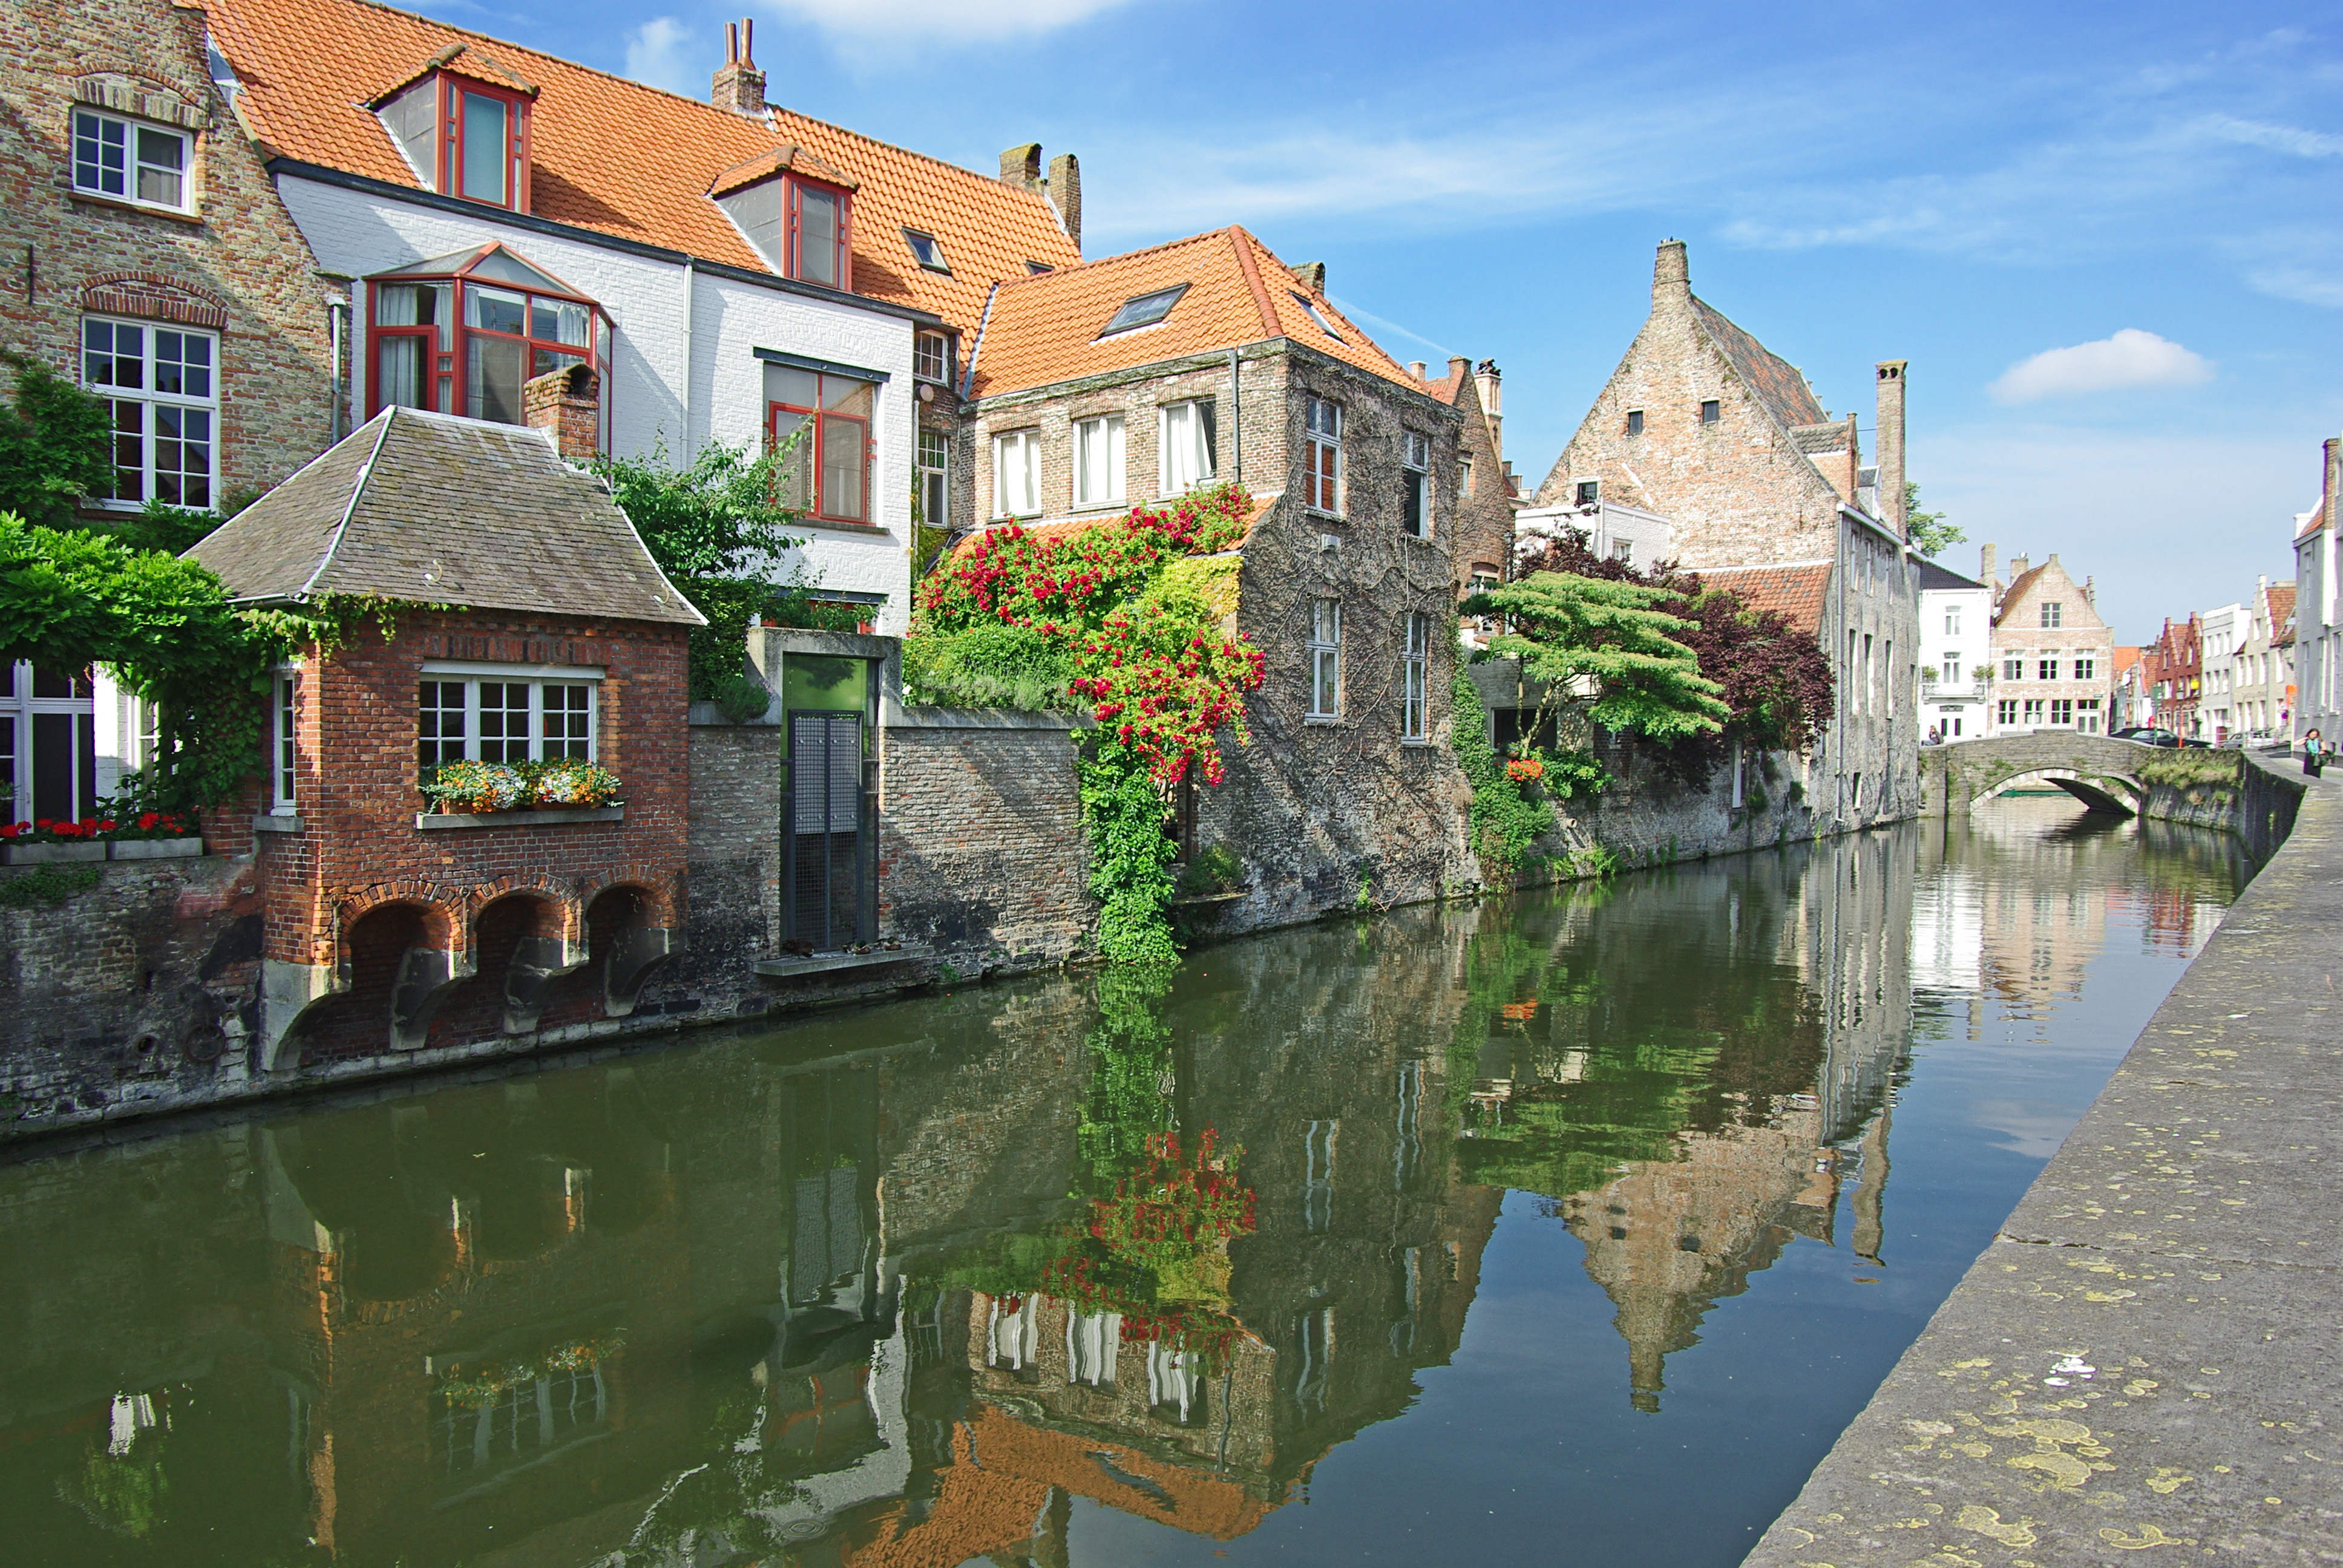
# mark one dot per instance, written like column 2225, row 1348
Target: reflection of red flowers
column 1524, row 769
column 1523, row 1010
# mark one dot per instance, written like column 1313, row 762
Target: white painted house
column 1955, row 655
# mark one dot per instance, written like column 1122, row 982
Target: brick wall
column 1481, row 535
column 2018, row 633
column 235, row 264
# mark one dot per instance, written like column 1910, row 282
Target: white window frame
column 152, row 404
column 1016, row 474
column 2054, row 614
column 535, row 678
column 2045, row 666
column 1415, row 685
column 930, row 357
column 1952, row 620
column 132, row 132
column 1099, row 464
column 1323, row 648
column 1415, row 473
column 1186, row 448
column 1322, row 449
column 935, row 478
column 2086, row 668
column 1464, row 476
column 284, row 739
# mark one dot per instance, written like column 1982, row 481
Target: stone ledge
column 275, row 822
column 832, row 963
column 433, row 820
column 895, row 715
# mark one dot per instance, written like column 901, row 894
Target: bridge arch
column 2097, row 790
column 2102, row 772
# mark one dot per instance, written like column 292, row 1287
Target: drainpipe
column 688, row 290
column 1236, row 424
column 338, row 316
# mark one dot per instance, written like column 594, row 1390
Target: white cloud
column 2127, row 360
column 2280, row 138
column 2310, row 285
column 900, row 22
column 655, row 56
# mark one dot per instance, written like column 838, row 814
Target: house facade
column 392, row 926
column 153, row 264
column 2264, row 682
column 2172, row 671
column 2053, row 657
column 1956, row 655
column 2319, row 618
column 731, row 272
column 1208, row 360
column 1702, row 425
column 2223, row 628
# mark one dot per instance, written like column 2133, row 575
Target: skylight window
column 1143, row 310
column 926, row 251
column 1316, row 315
column 1036, row 269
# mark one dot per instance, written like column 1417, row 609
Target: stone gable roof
column 1797, row 592
column 1775, row 382
column 617, row 157
column 431, row 509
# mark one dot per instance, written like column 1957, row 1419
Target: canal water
column 1570, row 1228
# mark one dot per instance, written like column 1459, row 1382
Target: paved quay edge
column 2144, row 1359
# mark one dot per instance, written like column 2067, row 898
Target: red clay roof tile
column 1798, row 592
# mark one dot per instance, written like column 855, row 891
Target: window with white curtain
column 284, row 711
column 1016, row 474
column 1098, row 461
column 1325, row 653
column 1415, row 478
column 1187, row 446
column 1415, row 707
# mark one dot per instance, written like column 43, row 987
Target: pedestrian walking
column 2314, row 754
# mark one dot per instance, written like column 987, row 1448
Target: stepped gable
column 1043, row 330
column 619, row 158
column 431, row 509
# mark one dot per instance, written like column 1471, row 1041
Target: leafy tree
column 1610, row 639
column 56, row 446
column 1930, row 532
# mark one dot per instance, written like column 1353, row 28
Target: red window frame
column 827, row 423
column 444, row 388
column 843, row 264
column 449, row 149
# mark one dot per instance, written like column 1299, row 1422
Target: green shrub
column 45, row 885
column 743, row 699
column 1215, row 871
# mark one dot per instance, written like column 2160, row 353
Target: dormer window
column 463, row 137
column 926, row 251
column 802, row 227
column 1143, row 310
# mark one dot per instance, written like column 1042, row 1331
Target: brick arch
column 155, row 296
column 565, row 898
column 446, row 920
column 96, row 72
column 659, row 887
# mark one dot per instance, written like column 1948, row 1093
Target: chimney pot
column 1415, row 368
column 738, row 85
column 1888, row 440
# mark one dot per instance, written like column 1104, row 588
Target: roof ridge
column 349, row 507
column 1089, row 262
column 1242, row 241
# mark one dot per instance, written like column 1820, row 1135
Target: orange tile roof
column 1045, row 329
column 623, row 159
column 2125, row 658
column 1445, row 388
column 1798, row 592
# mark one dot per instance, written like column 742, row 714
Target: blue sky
column 2151, row 188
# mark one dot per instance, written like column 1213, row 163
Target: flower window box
column 40, row 854
column 563, row 788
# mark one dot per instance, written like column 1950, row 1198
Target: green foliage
column 42, row 886
column 2186, row 767
column 1504, row 821
column 1570, row 630
column 1217, row 869
column 1597, row 862
column 719, row 649
column 56, row 446
column 1004, row 666
column 1131, row 855
column 743, row 699
column 1130, row 1079
column 1930, row 532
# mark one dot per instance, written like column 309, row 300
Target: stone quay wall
column 2143, row 1356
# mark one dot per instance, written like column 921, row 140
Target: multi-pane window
column 1322, row 456
column 510, row 338
column 1415, row 480
column 131, row 161
column 822, row 423
column 1952, row 620
column 284, row 712
column 1464, row 477
column 1415, row 703
column 1098, row 461
column 2087, row 715
column 1016, row 474
column 2086, row 668
column 934, row 490
column 461, row 718
column 1325, row 655
column 2008, row 710
column 1587, row 492
column 2045, row 668
column 2062, row 711
column 463, row 137
column 2013, row 667
column 1952, row 666
column 1188, row 445
column 463, row 333
column 161, row 388
column 2053, row 613
column 932, row 357
column 1140, row 310
column 2033, row 709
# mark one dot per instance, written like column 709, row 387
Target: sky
column 2109, row 239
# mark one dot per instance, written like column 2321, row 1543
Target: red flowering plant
column 98, row 828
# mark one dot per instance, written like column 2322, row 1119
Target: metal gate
column 830, row 877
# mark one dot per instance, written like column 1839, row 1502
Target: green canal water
column 1570, row 1228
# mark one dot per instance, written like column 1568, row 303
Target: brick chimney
column 1064, row 189
column 1416, row 367
column 1987, row 559
column 1890, row 446
column 2018, row 566
column 1671, row 274
column 739, row 86
column 568, row 402
column 1311, row 274
column 1020, row 167
column 1489, row 383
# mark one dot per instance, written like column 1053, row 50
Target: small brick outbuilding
column 498, row 607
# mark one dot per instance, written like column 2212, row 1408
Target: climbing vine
column 1122, row 615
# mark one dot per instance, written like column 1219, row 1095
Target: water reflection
column 939, row 1282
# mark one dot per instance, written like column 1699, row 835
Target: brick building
column 2173, row 673
column 1208, row 359
column 1702, row 425
column 1482, row 534
column 2263, row 680
column 537, row 626
column 2318, row 609
column 149, row 260
column 2053, row 657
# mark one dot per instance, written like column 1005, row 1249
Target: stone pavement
column 2144, row 1359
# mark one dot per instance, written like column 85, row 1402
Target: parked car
column 2147, row 735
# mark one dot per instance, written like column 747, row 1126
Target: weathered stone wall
column 981, row 849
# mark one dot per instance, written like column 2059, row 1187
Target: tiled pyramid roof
column 1045, row 329
column 619, row 158
column 437, row 509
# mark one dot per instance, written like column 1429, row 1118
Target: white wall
column 1971, row 648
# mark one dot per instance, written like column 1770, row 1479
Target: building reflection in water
column 906, row 1287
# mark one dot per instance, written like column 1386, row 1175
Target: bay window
column 1187, row 446
column 161, row 390
column 462, row 334
column 133, row 161
column 1016, row 474
column 489, row 713
column 463, row 137
column 1098, row 461
column 823, row 423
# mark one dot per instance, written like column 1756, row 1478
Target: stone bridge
column 2102, row 773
